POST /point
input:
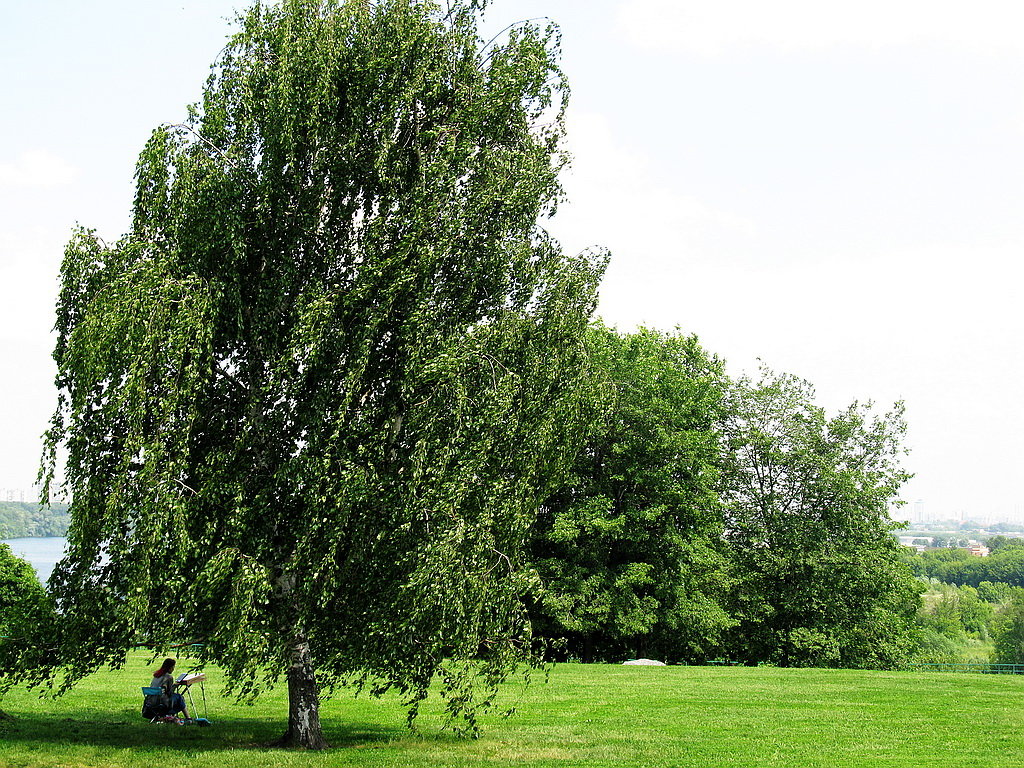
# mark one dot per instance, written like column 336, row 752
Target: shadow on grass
column 128, row 729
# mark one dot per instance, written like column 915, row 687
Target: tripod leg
column 191, row 704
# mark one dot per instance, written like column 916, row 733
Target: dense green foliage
column 807, row 498
column 1005, row 564
column 23, row 519
column 312, row 400
column 21, row 594
column 710, row 518
column 22, row 603
column 1009, row 630
column 958, row 624
column 587, row 715
column 663, row 540
column 628, row 550
column 24, row 607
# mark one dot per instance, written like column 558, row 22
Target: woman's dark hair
column 166, row 667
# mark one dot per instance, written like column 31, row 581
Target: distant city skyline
column 24, row 495
column 918, row 512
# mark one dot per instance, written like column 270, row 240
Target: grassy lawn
column 586, row 715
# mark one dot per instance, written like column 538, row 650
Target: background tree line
column 24, row 520
column 706, row 517
column 973, row 607
column 983, row 624
column 710, row 517
column 1005, row 564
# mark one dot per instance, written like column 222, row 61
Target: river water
column 42, row 554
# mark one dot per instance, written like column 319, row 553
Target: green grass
column 586, row 715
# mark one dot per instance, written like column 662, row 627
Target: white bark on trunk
column 304, row 729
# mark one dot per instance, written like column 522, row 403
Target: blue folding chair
column 152, row 704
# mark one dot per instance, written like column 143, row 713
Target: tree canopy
column 820, row 577
column 312, row 400
column 24, row 609
column 706, row 517
column 20, row 591
column 629, row 548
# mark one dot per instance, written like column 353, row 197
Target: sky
column 835, row 189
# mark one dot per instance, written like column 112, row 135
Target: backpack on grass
column 154, row 703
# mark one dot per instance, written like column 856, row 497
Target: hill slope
column 586, row 715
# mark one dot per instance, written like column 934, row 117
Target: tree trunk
column 303, row 701
column 586, row 652
column 640, row 648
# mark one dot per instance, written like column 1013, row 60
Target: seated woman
column 163, row 679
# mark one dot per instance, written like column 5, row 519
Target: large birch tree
column 311, row 401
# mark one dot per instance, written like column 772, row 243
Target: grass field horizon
column 588, row 715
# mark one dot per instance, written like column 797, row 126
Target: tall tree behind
column 312, row 400
column 820, row 579
column 629, row 549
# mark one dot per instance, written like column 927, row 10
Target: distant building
column 978, row 550
column 23, row 495
column 914, row 542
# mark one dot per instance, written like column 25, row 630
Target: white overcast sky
column 836, row 188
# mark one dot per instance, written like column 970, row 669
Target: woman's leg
column 178, row 705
